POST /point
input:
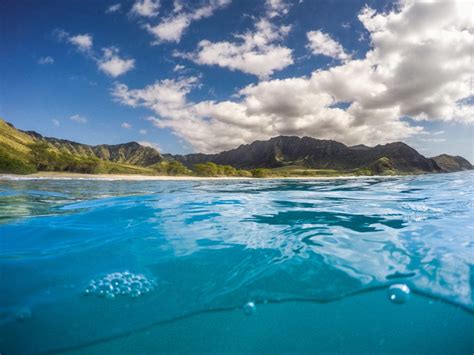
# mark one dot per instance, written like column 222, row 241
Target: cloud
column 146, row 8
column 166, row 97
column 321, row 43
column 177, row 6
column 113, row 8
column 143, row 131
column 253, row 53
column 172, row 28
column 178, row 67
column 56, row 122
column 60, row 34
column 418, row 68
column 277, row 8
column 108, row 61
column 150, row 145
column 83, row 42
column 126, row 125
column 78, row 119
column 46, row 60
column 112, row 64
column 425, row 68
column 433, row 140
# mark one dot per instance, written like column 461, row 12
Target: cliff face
column 317, row 154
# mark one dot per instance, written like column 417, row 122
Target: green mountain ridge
column 24, row 152
column 311, row 153
column 64, row 155
column 127, row 153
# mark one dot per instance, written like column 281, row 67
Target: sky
column 210, row 75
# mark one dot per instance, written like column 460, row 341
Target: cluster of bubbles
column 398, row 293
column 120, row 284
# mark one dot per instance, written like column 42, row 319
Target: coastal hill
column 317, row 154
column 16, row 154
column 449, row 163
column 128, row 153
column 27, row 151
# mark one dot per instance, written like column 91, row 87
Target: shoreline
column 137, row 177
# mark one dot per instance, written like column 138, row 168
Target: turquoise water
column 249, row 266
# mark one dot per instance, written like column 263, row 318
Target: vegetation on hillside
column 14, row 165
column 261, row 173
column 383, row 166
column 14, row 151
column 213, row 170
column 46, row 159
column 171, row 167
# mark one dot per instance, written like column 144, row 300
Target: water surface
column 315, row 255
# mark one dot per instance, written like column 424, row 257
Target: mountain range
column 282, row 152
column 317, row 154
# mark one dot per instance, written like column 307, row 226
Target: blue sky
column 117, row 71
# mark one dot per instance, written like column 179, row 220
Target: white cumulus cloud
column 146, row 8
column 321, row 43
column 277, row 8
column 419, row 66
column 108, row 61
column 256, row 52
column 126, row 125
column 112, row 64
column 83, row 42
column 166, row 97
column 172, row 28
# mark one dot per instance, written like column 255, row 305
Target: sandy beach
column 117, row 177
column 113, row 177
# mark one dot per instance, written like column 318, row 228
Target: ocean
column 365, row 265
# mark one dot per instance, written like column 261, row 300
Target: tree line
column 45, row 159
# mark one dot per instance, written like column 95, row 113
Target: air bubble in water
column 249, row 308
column 398, row 293
column 23, row 314
column 90, row 290
column 120, row 284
